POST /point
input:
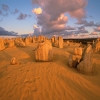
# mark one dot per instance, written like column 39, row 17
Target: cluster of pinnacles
column 44, row 51
column 81, row 58
column 96, row 45
column 57, row 42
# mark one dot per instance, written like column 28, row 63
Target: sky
column 67, row 18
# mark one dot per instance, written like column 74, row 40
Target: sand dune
column 30, row 80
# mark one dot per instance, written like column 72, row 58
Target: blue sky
column 25, row 25
column 11, row 23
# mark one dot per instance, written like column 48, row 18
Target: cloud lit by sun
column 37, row 10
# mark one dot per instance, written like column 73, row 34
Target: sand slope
column 30, row 80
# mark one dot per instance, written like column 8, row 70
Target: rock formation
column 55, row 44
column 2, row 46
column 20, row 44
column 30, row 39
column 67, row 42
column 14, row 61
column 78, row 51
column 34, row 39
column 26, row 41
column 44, row 52
column 53, row 39
column 80, row 44
column 10, row 43
column 75, row 51
column 60, row 42
column 85, row 66
column 96, row 46
column 40, row 39
column 73, row 60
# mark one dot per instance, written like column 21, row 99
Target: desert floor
column 30, row 80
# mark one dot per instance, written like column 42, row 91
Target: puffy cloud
column 81, row 21
column 5, row 7
column 1, row 29
column 70, row 28
column 51, row 26
column 97, row 29
column 35, row 26
column 88, row 24
column 37, row 30
column 48, row 26
column 23, row 16
column 4, row 12
column 85, row 23
column 94, row 33
column 83, row 31
column 80, row 31
column 53, row 19
column 66, row 33
column 37, row 10
column 80, row 13
column 72, row 7
column 4, row 32
column 15, row 11
column 97, row 24
column 81, row 28
column 44, row 19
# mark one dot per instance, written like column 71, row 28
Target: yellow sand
column 30, row 80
